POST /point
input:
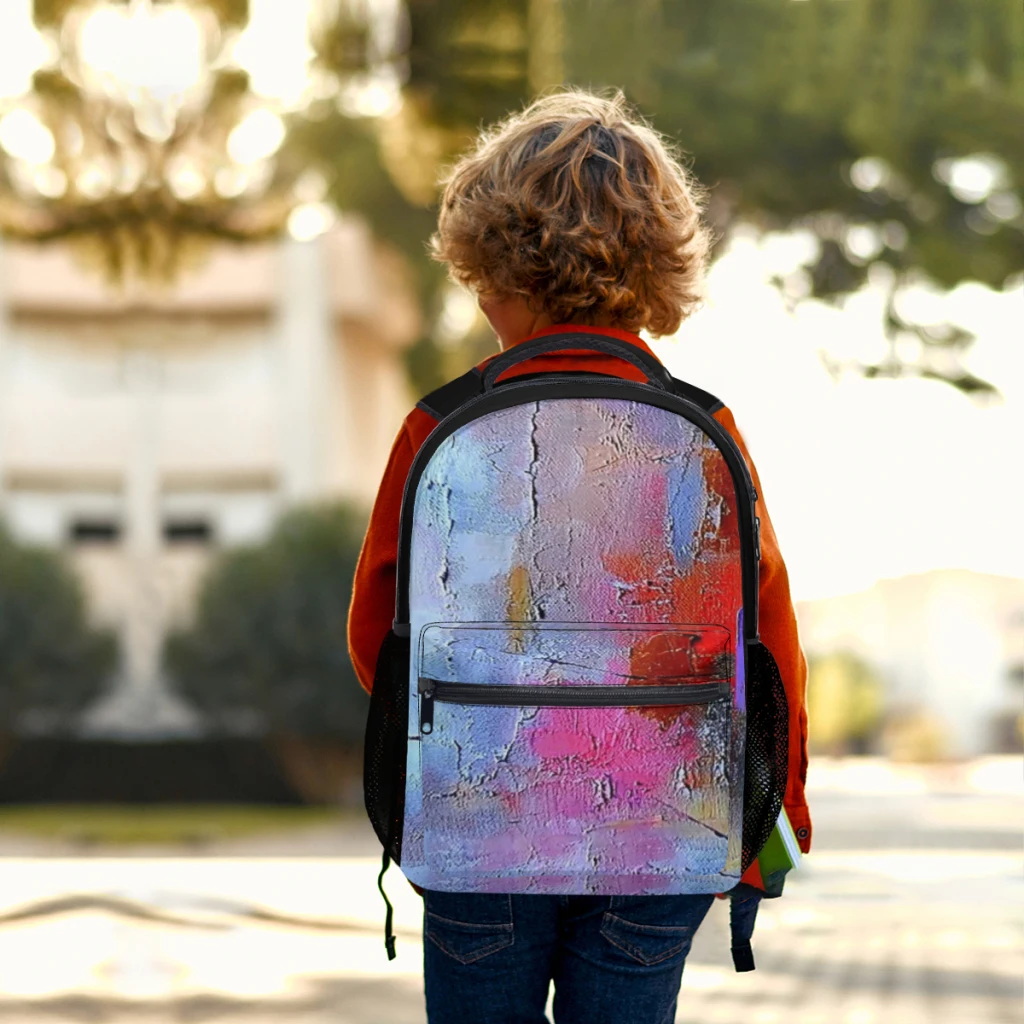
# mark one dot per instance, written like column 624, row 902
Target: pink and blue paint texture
column 568, row 543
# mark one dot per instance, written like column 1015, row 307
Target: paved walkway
column 908, row 912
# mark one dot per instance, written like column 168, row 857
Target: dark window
column 188, row 531
column 95, row 531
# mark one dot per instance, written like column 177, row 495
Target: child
column 572, row 215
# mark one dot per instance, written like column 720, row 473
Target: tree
column 139, row 177
column 53, row 664
column 267, row 646
column 891, row 129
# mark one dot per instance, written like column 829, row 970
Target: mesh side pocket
column 767, row 750
column 385, row 749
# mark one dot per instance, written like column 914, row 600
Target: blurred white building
column 143, row 430
column 949, row 643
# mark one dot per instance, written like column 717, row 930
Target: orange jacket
column 373, row 594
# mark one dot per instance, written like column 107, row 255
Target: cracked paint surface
column 568, row 543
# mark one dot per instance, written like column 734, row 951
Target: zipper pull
column 426, row 707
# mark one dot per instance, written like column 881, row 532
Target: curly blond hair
column 579, row 206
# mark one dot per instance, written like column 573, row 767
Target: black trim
column 704, row 399
column 519, row 378
column 449, row 397
column 389, row 916
column 445, row 400
column 558, row 386
column 532, row 696
column 526, row 695
column 743, row 957
column 649, row 365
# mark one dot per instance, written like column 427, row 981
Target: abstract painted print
column 562, row 544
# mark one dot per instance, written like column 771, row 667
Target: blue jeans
column 489, row 959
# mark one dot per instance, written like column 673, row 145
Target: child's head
column 582, row 210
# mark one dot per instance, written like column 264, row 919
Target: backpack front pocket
column 576, row 757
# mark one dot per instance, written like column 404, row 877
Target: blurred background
column 215, row 309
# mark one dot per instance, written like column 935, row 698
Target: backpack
column 573, row 697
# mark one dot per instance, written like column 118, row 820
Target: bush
column 268, row 646
column 844, row 704
column 52, row 663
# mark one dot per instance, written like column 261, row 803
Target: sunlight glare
column 50, row 181
column 186, row 180
column 309, row 221
column 274, row 49
column 971, row 179
column 863, row 242
column 377, row 95
column 458, row 316
column 869, row 173
column 256, row 137
column 22, row 49
column 1004, row 206
column 231, row 182
column 156, row 52
column 94, row 181
column 25, row 137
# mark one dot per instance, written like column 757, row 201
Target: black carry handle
column 655, row 373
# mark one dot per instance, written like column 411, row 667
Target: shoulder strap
column 449, row 397
column 442, row 402
column 389, row 916
column 704, row 399
column 742, row 913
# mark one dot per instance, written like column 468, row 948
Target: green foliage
column 52, row 663
column 145, row 227
column 777, row 100
column 844, row 703
column 349, row 153
column 269, row 638
column 835, row 116
column 822, row 114
column 469, row 58
column 49, row 13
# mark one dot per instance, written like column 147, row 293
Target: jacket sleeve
column 777, row 623
column 373, row 589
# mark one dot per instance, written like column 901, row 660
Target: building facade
column 144, row 430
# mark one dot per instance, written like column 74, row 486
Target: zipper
column 568, row 386
column 431, row 690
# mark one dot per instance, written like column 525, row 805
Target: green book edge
column 781, row 852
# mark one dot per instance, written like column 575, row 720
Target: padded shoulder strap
column 704, row 399
column 449, row 397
